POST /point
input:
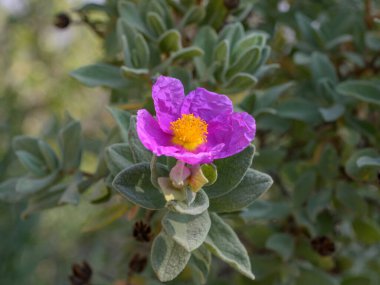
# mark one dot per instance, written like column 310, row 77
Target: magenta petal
column 150, row 133
column 168, row 95
column 159, row 142
column 206, row 104
column 207, row 155
column 236, row 131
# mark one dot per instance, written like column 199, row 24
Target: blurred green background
column 36, row 89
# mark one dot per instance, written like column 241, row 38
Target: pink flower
column 197, row 128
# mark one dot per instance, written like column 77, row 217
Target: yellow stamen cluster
column 189, row 131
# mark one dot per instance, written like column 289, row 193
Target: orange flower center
column 189, row 131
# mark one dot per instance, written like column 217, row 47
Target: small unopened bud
column 62, row 20
column 179, row 174
column 231, row 4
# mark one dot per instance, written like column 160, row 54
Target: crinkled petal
column 168, row 96
column 159, row 142
column 205, row 156
column 236, row 131
column 150, row 133
column 206, row 104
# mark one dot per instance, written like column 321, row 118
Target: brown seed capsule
column 142, row 231
column 62, row 20
column 81, row 274
column 323, row 245
column 231, row 4
column 138, row 263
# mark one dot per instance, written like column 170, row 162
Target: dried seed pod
column 138, row 263
column 323, row 245
column 142, row 232
column 62, row 20
column 81, row 274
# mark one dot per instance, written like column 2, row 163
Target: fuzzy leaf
column 299, row 109
column 322, row 67
column 100, row 75
column 315, row 277
column 253, row 185
column 332, row 113
column 129, row 12
column 49, row 155
column 189, row 231
column 194, row 15
column 31, row 185
column 231, row 171
column 122, row 119
column 187, row 53
column 198, row 206
column 156, row 23
column 364, row 90
column 248, row 59
column 366, row 231
column 224, row 243
column 31, row 163
column 283, row 244
column 170, row 41
column 70, row 142
column 134, row 183
column 44, row 200
column 134, row 72
column 168, row 257
column 240, row 81
column 200, row 263
column 368, row 161
column 142, row 51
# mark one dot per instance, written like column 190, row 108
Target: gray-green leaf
column 170, row 41
column 283, row 244
column 168, row 257
column 118, row 157
column 70, row 142
column 134, row 183
column 122, row 119
column 253, row 185
column 200, row 263
column 198, row 206
column 189, row 231
column 100, row 75
column 224, row 243
column 365, row 90
column 231, row 171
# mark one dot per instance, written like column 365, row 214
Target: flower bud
column 179, row 174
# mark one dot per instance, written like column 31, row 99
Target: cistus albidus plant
column 307, row 100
